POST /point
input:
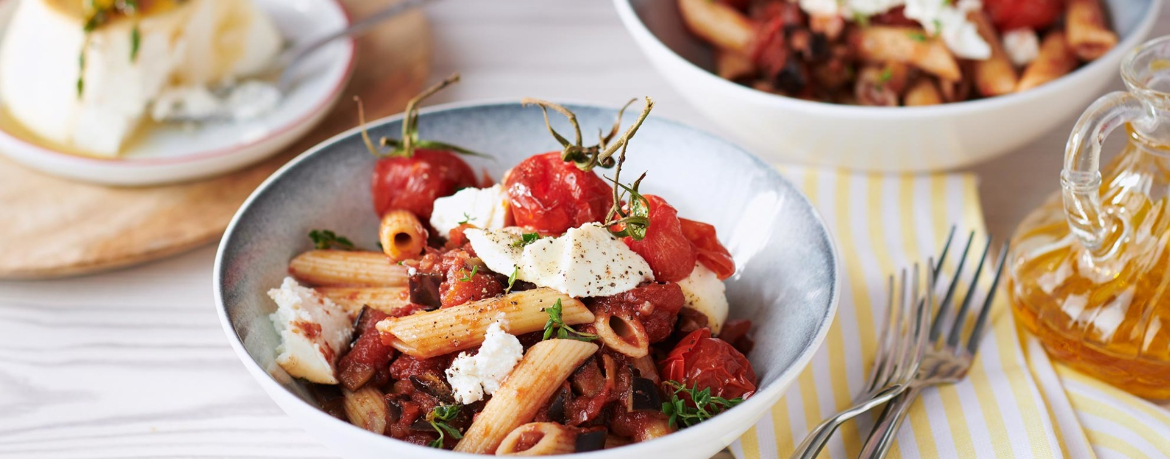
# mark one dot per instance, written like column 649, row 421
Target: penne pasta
column 1054, row 61
column 347, row 268
column 1084, row 23
column 538, row 439
column 402, row 235
column 719, row 24
column 366, row 408
column 922, row 92
column 994, row 76
column 732, row 65
column 456, row 328
column 542, row 370
column 624, row 335
column 881, row 44
column 654, row 427
column 389, row 300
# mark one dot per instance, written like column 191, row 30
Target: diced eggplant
column 644, row 395
column 424, row 290
column 434, row 386
column 394, row 409
column 592, row 440
column 556, row 409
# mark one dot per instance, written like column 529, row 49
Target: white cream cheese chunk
column 1022, row 46
column 484, row 208
column 584, row 262
column 705, row 293
column 938, row 17
column 313, row 332
column 198, row 42
column 474, row 376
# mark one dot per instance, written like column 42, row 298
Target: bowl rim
column 716, row 427
column 651, row 44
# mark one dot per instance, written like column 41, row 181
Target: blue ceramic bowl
column 787, row 281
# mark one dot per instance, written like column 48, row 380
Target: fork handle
column 816, row 440
column 882, row 436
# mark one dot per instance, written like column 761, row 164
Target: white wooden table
column 133, row 363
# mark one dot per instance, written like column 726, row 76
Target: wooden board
column 52, row 227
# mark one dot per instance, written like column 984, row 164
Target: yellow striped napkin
column 1014, row 404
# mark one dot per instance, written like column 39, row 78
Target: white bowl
column 874, row 138
column 787, row 281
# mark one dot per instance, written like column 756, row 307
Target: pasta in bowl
column 473, row 341
column 898, row 85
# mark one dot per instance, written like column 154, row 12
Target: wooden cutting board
column 52, row 227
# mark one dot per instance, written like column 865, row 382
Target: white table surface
column 133, row 363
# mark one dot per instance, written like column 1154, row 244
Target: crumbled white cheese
column 313, row 332
column 705, row 293
column 1021, row 45
column 484, row 208
column 244, row 101
column 938, row 17
column 473, row 376
column 585, row 261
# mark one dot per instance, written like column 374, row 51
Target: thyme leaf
column 325, row 240
column 557, row 326
column 439, row 418
column 697, row 405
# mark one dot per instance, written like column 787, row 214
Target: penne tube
column 402, row 235
column 446, row 330
column 994, row 76
column 1088, row 36
column 732, row 65
column 717, row 23
column 909, row 45
column 390, row 300
column 538, row 439
column 922, row 92
column 366, row 408
column 1054, row 61
column 542, row 370
column 654, row 427
column 347, row 268
column 624, row 335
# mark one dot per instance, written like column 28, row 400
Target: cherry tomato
column 665, row 247
column 413, row 183
column 1017, row 14
column 709, row 250
column 549, row 196
column 711, row 363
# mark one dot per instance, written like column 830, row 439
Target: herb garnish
column 512, row 279
column 526, row 239
column 468, row 277
column 405, row 147
column 861, row 19
column 682, row 414
column 439, row 418
column 634, row 219
column 918, row 36
column 135, row 42
column 466, row 219
column 886, row 75
column 586, row 158
column 563, row 331
column 325, row 240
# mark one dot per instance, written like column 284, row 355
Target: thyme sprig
column 439, row 418
column 634, row 219
column 512, row 280
column 409, row 142
column 557, row 326
column 526, row 239
column 587, row 158
column 682, row 414
column 325, row 240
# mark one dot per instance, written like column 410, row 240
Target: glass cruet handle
column 1080, row 180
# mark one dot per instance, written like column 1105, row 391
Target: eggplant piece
column 556, row 409
column 393, row 409
column 433, row 386
column 644, row 395
column 592, row 440
column 424, row 290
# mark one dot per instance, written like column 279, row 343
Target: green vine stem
column 586, row 158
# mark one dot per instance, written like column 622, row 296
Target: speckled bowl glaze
column 787, row 281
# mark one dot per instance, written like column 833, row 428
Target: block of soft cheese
column 96, row 106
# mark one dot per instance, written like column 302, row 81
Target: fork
column 947, row 358
column 902, row 345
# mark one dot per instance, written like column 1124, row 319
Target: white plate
column 170, row 153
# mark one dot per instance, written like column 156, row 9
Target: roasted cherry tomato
column 709, row 251
column 665, row 247
column 549, row 196
column 1017, row 14
column 413, row 183
column 711, row 363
